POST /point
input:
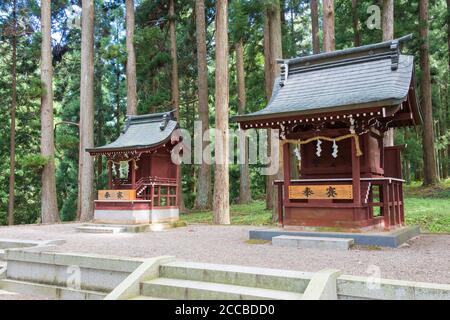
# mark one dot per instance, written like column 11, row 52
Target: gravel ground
column 426, row 258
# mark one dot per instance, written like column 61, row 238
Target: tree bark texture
column 131, row 60
column 315, row 26
column 203, row 199
column 49, row 205
column 356, row 26
column 430, row 171
column 87, row 111
column 388, row 34
column 221, row 178
column 244, row 186
column 328, row 26
column 12, row 128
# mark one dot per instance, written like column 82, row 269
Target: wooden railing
column 163, row 192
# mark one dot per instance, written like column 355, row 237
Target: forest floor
column 425, row 258
column 428, row 208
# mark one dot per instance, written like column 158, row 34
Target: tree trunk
column 221, row 178
column 328, row 26
column 173, row 55
column 276, row 52
column 244, row 187
column 356, row 26
column 204, row 193
column 268, row 89
column 315, row 26
column 87, row 111
column 388, row 20
column 131, row 60
column 388, row 34
column 447, row 113
column 49, row 204
column 430, row 173
column 12, row 135
column 175, row 86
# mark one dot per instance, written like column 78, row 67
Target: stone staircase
column 63, row 276
column 191, row 281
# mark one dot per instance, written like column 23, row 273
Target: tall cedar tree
column 131, row 60
column 244, row 185
column 328, row 26
column 356, row 26
column 175, row 85
column 429, row 160
column 87, row 111
column 388, row 34
column 315, row 26
column 49, row 205
column 221, row 178
column 12, row 142
column 448, row 85
column 273, row 50
column 203, row 197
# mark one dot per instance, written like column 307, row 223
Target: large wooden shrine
column 332, row 111
column 142, row 179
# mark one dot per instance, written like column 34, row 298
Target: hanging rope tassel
column 319, row 148
column 348, row 136
column 335, row 149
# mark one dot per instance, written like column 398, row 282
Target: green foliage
column 34, row 162
column 254, row 213
column 432, row 215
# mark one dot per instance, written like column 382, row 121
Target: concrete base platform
column 313, row 242
column 391, row 239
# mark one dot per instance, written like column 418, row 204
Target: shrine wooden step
column 313, row 242
column 178, row 289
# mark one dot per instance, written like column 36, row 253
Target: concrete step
column 264, row 278
column 178, row 289
column 146, row 298
column 313, row 242
column 49, row 291
column 2, row 254
column 100, row 229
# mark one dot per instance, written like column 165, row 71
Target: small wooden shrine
column 142, row 179
column 332, row 111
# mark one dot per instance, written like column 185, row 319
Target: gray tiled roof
column 142, row 132
column 339, row 86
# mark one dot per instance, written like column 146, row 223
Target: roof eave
column 93, row 151
column 350, row 108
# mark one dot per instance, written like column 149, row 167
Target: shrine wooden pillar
column 402, row 206
column 110, row 175
column 178, row 188
column 386, row 207
column 356, row 175
column 287, row 181
column 133, row 174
